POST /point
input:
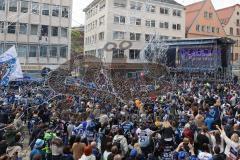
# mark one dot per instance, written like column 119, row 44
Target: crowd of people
column 189, row 121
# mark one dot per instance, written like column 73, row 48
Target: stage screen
column 201, row 58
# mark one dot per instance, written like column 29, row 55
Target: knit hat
column 88, row 150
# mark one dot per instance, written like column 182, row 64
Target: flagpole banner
column 10, row 68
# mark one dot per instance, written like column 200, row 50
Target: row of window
column 94, row 10
column 138, row 6
column 117, row 53
column 208, row 15
column 117, row 35
column 32, row 29
column 237, row 31
column 208, row 29
column 148, row 23
column 34, row 8
column 95, row 24
column 25, row 50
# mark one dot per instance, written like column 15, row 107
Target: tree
column 77, row 41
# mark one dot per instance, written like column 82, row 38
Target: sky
column 79, row 5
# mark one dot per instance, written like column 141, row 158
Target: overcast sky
column 79, row 5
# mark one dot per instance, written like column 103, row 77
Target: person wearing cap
column 87, row 154
column 39, row 144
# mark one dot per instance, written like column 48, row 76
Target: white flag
column 10, row 68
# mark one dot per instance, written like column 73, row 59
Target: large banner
column 10, row 68
column 204, row 57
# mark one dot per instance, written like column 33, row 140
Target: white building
column 115, row 21
column 38, row 29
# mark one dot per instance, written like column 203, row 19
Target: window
column 102, row 5
column 236, row 56
column 164, row 10
column 238, row 31
column 197, row 27
column 119, row 19
column 65, row 11
column 2, row 27
column 176, row 26
column 2, row 5
column 150, row 8
column 238, row 24
column 217, row 29
column 53, row 51
column 23, row 28
column 213, row 29
column 231, row 31
column 45, row 9
column 55, row 11
column 101, row 20
column 135, row 36
column 12, row 5
column 147, row 37
column 24, row 6
column 44, row 30
column 134, row 54
column 164, row 25
column 64, row 32
column 118, row 35
column 135, row 21
column 54, row 31
column 1, row 48
column 205, row 14
column 35, row 8
column 22, row 50
column 101, row 36
column 34, row 29
column 177, row 13
column 136, row 6
column 11, row 28
column 63, row 51
column 120, row 3
column 33, row 51
column 43, row 51
column 8, row 46
column 150, row 23
column 208, row 29
column 118, row 53
column 237, row 13
column 210, row 15
column 203, row 28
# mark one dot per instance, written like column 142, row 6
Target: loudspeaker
column 171, row 57
column 224, row 57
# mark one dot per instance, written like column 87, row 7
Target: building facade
column 230, row 19
column 39, row 29
column 126, row 26
column 202, row 21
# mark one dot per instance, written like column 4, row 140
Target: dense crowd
column 189, row 121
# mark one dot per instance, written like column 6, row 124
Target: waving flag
column 10, row 68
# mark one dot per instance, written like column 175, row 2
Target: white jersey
column 144, row 137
